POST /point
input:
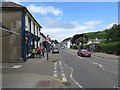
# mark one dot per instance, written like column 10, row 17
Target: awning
column 32, row 36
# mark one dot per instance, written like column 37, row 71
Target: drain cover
column 43, row 84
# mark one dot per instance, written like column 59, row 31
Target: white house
column 96, row 40
column 66, row 43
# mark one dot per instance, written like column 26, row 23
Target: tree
column 81, row 40
column 113, row 34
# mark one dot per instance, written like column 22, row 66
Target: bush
column 73, row 46
column 110, row 48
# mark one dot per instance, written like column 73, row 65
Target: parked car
column 84, row 52
column 62, row 47
column 55, row 50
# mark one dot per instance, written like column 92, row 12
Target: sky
column 61, row 20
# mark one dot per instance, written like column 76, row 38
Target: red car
column 84, row 52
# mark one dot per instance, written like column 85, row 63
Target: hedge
column 110, row 48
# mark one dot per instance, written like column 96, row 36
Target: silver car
column 55, row 50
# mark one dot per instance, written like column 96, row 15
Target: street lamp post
column 47, row 39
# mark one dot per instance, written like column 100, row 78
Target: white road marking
column 61, row 68
column 71, row 76
column 64, row 79
column 62, row 71
column 55, row 74
column 99, row 65
column 104, row 69
column 63, row 75
column 79, row 57
column 17, row 66
column 55, row 70
column 55, row 63
column 60, row 63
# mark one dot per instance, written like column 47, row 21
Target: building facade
column 17, row 47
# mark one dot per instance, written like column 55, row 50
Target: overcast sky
column 65, row 19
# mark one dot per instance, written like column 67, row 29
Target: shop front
column 31, row 43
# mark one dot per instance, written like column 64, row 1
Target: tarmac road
column 91, row 72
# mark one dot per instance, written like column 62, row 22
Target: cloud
column 109, row 25
column 60, row 30
column 15, row 1
column 44, row 10
column 91, row 23
column 63, row 32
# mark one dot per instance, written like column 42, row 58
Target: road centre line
column 60, row 63
column 101, row 66
column 55, row 70
column 55, row 75
column 62, row 71
column 71, row 76
column 61, row 68
column 98, row 65
column 104, row 69
column 63, row 75
column 55, row 63
column 92, row 62
column 64, row 79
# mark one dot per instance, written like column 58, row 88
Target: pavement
column 31, row 80
column 106, row 56
column 98, row 54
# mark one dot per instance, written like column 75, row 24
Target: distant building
column 66, row 43
column 42, row 40
column 96, row 40
column 17, row 47
column 75, row 37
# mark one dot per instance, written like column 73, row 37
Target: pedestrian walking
column 33, row 52
column 38, row 52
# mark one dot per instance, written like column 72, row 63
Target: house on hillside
column 75, row 37
column 17, row 47
column 92, row 43
column 66, row 43
column 96, row 40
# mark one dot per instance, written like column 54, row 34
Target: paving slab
column 28, row 80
